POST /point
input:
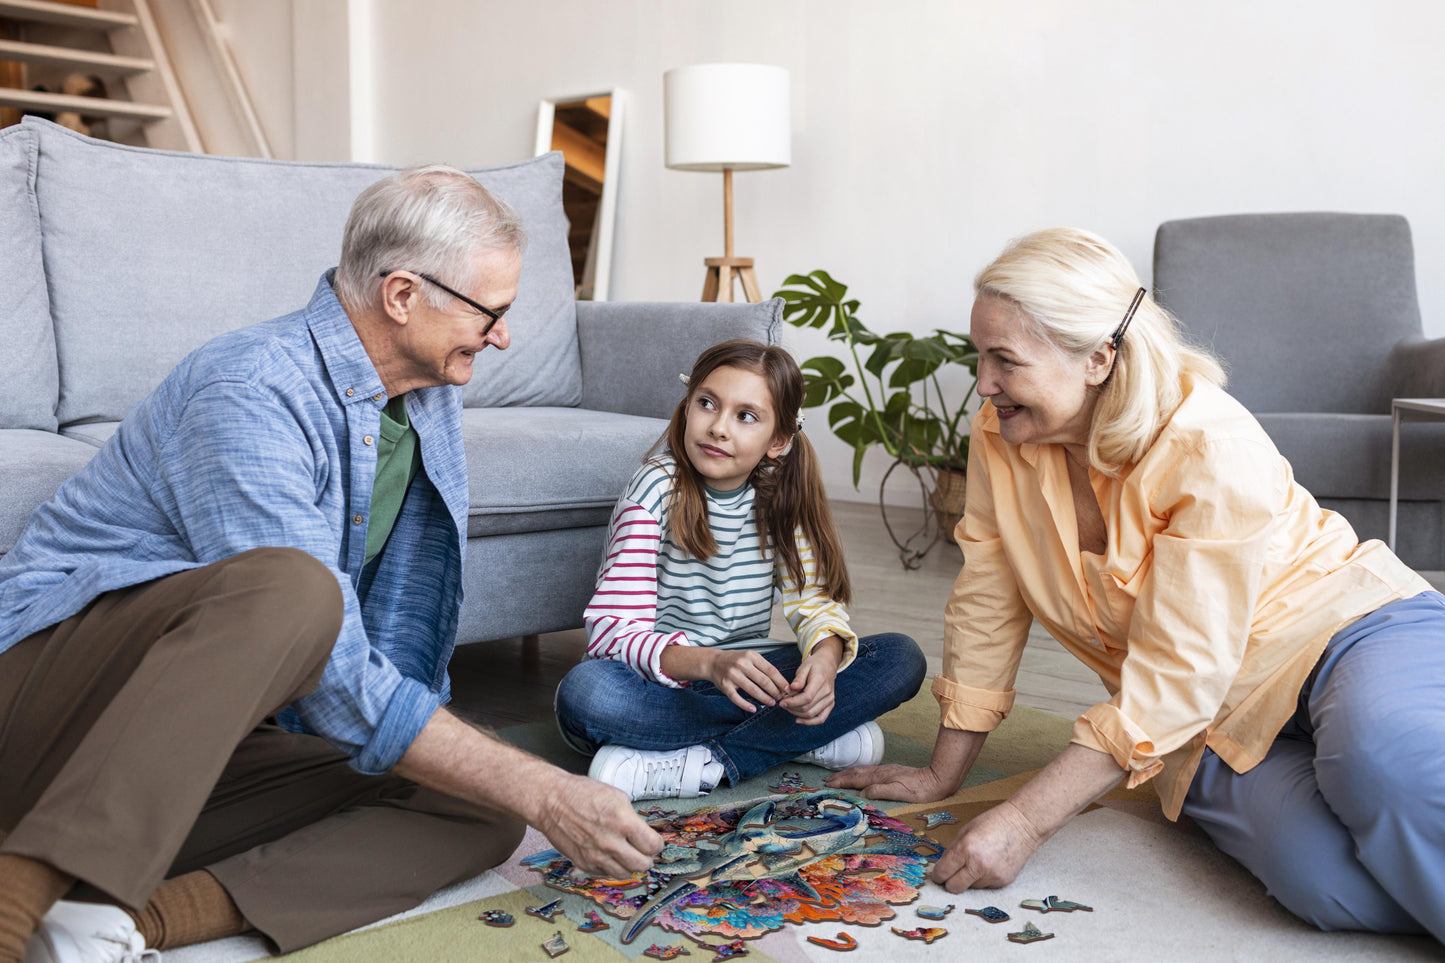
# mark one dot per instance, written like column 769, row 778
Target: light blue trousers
column 1344, row 820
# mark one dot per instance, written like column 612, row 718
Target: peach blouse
column 1220, row 584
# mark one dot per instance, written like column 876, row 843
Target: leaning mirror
column 587, row 129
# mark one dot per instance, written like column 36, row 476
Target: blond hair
column 1073, row 289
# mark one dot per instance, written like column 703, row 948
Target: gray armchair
column 1316, row 319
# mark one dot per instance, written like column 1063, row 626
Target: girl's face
column 730, row 427
column 1042, row 395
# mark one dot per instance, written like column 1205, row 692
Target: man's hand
column 810, row 694
column 989, row 851
column 594, row 825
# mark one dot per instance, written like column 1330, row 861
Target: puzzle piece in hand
column 670, row 951
column 1054, row 904
column 926, row 934
column 546, row 911
column 991, row 913
column 935, row 912
column 592, row 923
column 934, row 820
column 1029, row 934
column 842, row 942
column 496, row 918
column 556, row 946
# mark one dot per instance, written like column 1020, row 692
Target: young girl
column 682, row 685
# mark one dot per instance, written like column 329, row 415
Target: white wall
column 927, row 132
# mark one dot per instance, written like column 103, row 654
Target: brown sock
column 189, row 909
column 28, row 888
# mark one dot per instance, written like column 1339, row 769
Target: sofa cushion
column 32, row 466
column 31, row 384
column 150, row 254
column 538, row 469
column 1347, row 456
column 94, row 433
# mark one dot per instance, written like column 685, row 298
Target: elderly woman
column 1282, row 682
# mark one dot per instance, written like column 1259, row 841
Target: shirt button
column 377, row 397
column 366, row 440
column 350, row 392
column 356, row 519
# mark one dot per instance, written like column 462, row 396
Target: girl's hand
column 810, row 694
column 741, row 674
column 989, row 851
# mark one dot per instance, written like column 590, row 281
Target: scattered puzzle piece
column 669, row 951
column 1029, row 934
column 991, row 913
column 791, row 782
column 656, row 812
column 727, row 951
column 1054, row 904
column 546, row 911
column 592, row 923
column 556, row 946
column 926, row 934
column 842, row 942
column 934, row 820
column 935, row 912
column 496, row 918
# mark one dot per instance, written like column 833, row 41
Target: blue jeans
column 603, row 702
column 1344, row 820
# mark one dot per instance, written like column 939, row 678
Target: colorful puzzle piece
column 546, row 911
column 728, row 951
column 991, row 913
column 592, row 923
column 670, row 951
column 1054, row 904
column 842, row 942
column 656, row 812
column 1029, row 934
column 926, row 934
column 935, row 912
column 556, row 946
column 496, row 918
column 791, row 782
column 934, row 820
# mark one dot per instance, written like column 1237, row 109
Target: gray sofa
column 1318, row 322
column 119, row 261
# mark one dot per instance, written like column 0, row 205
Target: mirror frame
column 607, row 206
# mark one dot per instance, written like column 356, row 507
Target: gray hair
column 432, row 220
column 1072, row 289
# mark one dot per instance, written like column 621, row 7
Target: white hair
column 431, row 220
column 1073, row 289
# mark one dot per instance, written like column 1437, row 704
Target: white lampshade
column 726, row 116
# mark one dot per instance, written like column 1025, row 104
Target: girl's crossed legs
column 604, row 702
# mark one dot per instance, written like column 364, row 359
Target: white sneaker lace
column 664, row 775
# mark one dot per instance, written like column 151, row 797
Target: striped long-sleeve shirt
column 651, row 593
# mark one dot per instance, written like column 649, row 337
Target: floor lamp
column 727, row 117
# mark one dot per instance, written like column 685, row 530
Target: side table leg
column 1394, row 470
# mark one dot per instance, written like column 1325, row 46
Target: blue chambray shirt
column 256, row 439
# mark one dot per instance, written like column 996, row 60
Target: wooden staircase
column 44, row 42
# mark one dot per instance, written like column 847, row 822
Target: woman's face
column 1043, row 396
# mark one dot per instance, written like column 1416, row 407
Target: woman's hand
column 953, row 754
column 810, row 694
column 989, row 851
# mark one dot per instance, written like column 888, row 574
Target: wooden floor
column 508, row 681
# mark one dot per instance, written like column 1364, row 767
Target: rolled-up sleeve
column 240, row 472
column 1191, row 620
column 986, row 622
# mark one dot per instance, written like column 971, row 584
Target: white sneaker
column 654, row 774
column 860, row 746
column 87, row 933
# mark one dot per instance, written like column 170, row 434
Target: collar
column 353, row 376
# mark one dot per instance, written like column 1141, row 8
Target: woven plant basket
column 947, row 499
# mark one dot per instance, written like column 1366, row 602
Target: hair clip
column 800, row 419
column 684, row 379
column 1117, row 338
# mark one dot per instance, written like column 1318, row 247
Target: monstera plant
column 890, row 396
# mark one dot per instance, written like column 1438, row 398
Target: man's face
column 439, row 345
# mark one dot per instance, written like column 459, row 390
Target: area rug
column 1157, row 890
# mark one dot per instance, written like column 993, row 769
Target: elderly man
column 223, row 644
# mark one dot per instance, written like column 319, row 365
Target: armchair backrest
column 1304, row 309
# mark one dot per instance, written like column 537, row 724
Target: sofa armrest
column 632, row 352
column 1419, row 368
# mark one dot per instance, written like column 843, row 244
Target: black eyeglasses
column 492, row 316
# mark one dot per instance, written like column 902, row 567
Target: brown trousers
column 134, row 747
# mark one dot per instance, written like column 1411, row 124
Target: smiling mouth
column 1006, row 411
column 715, row 452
